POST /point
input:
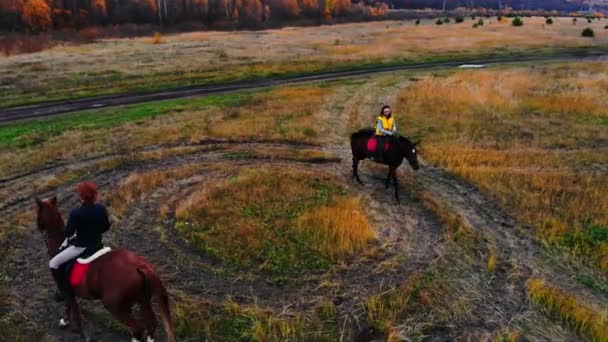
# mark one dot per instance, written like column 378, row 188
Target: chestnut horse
column 119, row 279
column 399, row 148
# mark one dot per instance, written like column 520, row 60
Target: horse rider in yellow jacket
column 385, row 129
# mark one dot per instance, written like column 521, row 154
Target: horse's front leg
column 356, row 170
column 76, row 317
column 64, row 322
column 396, row 184
column 388, row 177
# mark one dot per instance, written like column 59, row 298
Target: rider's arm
column 394, row 130
column 381, row 128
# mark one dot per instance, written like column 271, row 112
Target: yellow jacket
column 388, row 125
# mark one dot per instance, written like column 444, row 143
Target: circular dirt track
column 404, row 232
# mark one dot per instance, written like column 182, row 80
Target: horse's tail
column 153, row 287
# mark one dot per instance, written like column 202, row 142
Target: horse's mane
column 55, row 214
column 405, row 140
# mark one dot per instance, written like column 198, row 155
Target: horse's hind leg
column 122, row 312
column 394, row 172
column 388, row 177
column 356, row 170
column 72, row 306
column 149, row 319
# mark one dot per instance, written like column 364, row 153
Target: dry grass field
column 118, row 65
column 536, row 139
column 246, row 205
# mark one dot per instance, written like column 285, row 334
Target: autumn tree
column 284, row 9
column 310, row 8
column 10, row 13
column 98, row 11
column 37, row 15
column 133, row 11
column 341, row 8
column 328, row 7
column 250, row 12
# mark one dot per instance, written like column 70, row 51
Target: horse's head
column 410, row 152
column 49, row 218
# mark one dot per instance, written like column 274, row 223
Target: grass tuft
column 338, row 229
column 587, row 320
column 277, row 220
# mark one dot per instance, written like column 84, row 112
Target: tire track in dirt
column 176, row 259
column 19, row 189
column 519, row 257
column 29, row 279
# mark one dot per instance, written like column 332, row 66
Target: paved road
column 53, row 108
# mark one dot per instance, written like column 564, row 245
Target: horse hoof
column 63, row 323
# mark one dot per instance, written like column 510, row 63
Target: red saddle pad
column 372, row 143
column 78, row 273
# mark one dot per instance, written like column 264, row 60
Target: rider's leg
column 379, row 147
column 64, row 256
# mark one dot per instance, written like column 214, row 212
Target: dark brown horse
column 399, row 148
column 119, row 279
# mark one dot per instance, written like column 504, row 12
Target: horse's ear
column 417, row 142
column 54, row 201
column 39, row 202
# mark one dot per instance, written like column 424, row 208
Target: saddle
column 76, row 269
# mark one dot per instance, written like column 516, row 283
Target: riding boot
column 59, row 293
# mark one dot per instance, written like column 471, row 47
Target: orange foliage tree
column 98, row 11
column 284, row 8
column 37, row 15
column 341, row 7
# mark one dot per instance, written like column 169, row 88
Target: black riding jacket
column 89, row 222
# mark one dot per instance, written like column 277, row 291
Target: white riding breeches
column 64, row 256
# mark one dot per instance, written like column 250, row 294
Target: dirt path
column 54, row 108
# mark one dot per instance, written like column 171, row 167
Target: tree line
column 42, row 15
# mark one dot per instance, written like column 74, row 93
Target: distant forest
column 559, row 5
column 43, row 15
